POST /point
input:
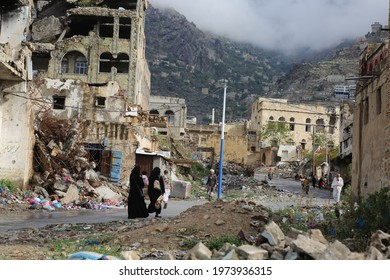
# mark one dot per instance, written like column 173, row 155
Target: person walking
column 314, row 181
column 156, row 191
column 337, row 186
column 136, row 206
column 305, row 185
column 168, row 187
column 211, row 184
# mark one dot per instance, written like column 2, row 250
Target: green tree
column 277, row 132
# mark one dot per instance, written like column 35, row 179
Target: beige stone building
column 85, row 63
column 370, row 151
column 174, row 110
column 346, row 129
column 302, row 119
column 97, row 72
column 16, row 133
column 207, row 138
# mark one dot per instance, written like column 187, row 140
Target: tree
column 278, row 132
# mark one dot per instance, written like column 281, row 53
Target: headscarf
column 136, row 172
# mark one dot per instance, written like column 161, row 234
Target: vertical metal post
column 222, row 143
column 313, row 154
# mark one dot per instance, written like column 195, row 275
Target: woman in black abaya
column 136, row 207
column 154, row 193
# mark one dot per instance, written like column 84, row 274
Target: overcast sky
column 283, row 24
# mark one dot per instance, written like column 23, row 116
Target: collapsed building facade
column 86, row 62
column 16, row 130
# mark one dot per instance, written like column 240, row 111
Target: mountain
column 189, row 63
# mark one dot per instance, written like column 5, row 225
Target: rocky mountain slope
column 188, row 63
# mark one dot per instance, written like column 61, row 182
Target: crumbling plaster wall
column 235, row 148
column 16, row 129
column 370, row 148
column 16, row 133
column 107, row 124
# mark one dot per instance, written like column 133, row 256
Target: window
column 170, row 116
column 124, row 28
column 106, row 27
column 282, row 119
column 80, row 66
column 292, row 124
column 379, row 101
column 365, row 111
column 290, row 142
column 271, row 118
column 59, row 102
column 154, row 113
column 107, row 61
column 320, row 125
column 64, row 65
column 74, row 62
column 100, row 101
column 308, row 125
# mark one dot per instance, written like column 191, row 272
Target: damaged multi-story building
column 16, row 129
column 370, row 151
column 88, row 63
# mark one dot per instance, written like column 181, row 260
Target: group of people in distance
column 336, row 186
column 158, row 188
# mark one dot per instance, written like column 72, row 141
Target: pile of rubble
column 64, row 176
column 277, row 246
column 271, row 243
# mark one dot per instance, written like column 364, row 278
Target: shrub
column 218, row 242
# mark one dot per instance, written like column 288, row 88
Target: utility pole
column 222, row 142
column 313, row 155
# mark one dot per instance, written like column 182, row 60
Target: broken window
column 170, row 116
column 100, row 101
column 154, row 113
column 107, row 61
column 59, row 102
column 106, row 27
column 124, row 28
column 332, row 124
column 74, row 62
column 320, row 125
column 40, row 62
column 81, row 26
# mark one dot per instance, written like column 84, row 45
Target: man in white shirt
column 337, row 186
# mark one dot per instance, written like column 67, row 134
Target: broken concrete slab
column 313, row 248
column 200, row 252
column 249, row 252
column 181, row 189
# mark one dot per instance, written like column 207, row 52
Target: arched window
column 308, row 125
column 292, row 124
column 74, row 62
column 290, row 141
column 154, row 113
column 282, row 119
column 170, row 116
column 121, row 62
column 271, row 119
column 320, row 125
